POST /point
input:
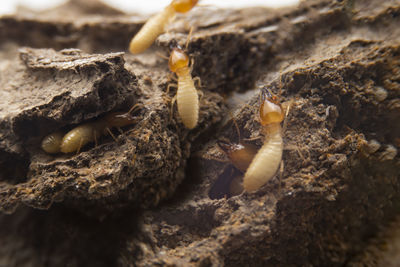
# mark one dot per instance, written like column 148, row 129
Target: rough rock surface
column 335, row 63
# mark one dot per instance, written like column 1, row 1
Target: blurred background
column 141, row 6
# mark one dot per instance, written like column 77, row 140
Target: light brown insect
column 78, row 137
column 186, row 96
column 52, row 142
column 240, row 155
column 156, row 25
column 268, row 158
column 86, row 133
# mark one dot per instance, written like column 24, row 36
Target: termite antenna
column 161, row 55
column 236, row 126
column 188, row 38
column 268, row 95
column 136, row 106
column 111, row 134
column 288, row 107
column 283, row 81
column 265, row 94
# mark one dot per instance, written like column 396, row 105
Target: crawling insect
column 240, row 155
column 268, row 158
column 78, row 137
column 156, row 25
column 75, row 139
column 83, row 134
column 186, row 96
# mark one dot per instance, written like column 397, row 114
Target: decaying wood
column 338, row 62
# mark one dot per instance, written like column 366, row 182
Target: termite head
column 240, row 154
column 119, row 119
column 270, row 108
column 178, row 59
column 183, row 6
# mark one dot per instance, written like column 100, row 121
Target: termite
column 86, row 133
column 186, row 96
column 156, row 25
column 268, row 158
column 78, row 137
column 240, row 155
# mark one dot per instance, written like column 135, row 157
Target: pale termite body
column 186, row 97
column 85, row 133
column 268, row 158
column 156, row 25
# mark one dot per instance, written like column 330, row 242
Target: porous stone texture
column 158, row 195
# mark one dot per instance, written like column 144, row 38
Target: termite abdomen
column 78, row 137
column 156, row 25
column 150, row 31
column 52, row 142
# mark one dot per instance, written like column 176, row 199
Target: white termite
column 268, row 158
column 186, row 97
column 156, row 25
column 86, row 133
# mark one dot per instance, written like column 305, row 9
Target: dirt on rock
column 157, row 194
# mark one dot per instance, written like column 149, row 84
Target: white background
column 142, row 6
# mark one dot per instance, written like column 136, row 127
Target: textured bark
column 338, row 63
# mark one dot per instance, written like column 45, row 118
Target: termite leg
column 135, row 107
column 171, row 76
column 198, row 80
column 95, row 137
column 236, row 126
column 80, row 145
column 172, row 107
column 188, row 38
column 191, row 65
column 171, row 85
column 280, row 80
column 281, row 169
column 286, row 114
column 112, row 135
column 161, row 55
column 201, row 94
column 253, row 139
